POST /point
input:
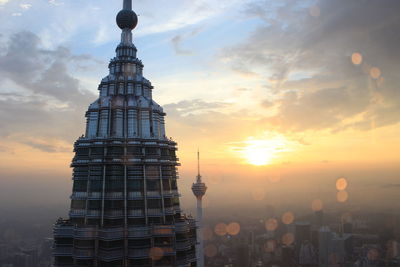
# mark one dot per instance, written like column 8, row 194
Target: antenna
column 198, row 162
column 198, row 166
column 127, row 5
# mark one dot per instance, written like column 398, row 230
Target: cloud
column 267, row 104
column 39, row 96
column 55, row 3
column 2, row 2
column 306, row 61
column 176, row 43
column 179, row 38
column 189, row 107
column 50, row 146
column 25, row 6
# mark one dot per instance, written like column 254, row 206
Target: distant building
column 318, row 219
column 199, row 190
column 334, row 249
column 303, row 234
column 325, row 246
column 307, row 255
column 31, row 257
column 342, row 248
column 348, row 228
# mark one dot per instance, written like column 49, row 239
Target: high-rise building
column 325, row 246
column 303, row 233
column 125, row 208
column 199, row 190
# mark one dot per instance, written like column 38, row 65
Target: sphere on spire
column 127, row 19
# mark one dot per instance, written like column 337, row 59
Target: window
column 151, row 151
column 78, row 204
column 94, row 204
column 154, row 203
column 80, row 186
column 97, row 151
column 96, row 186
column 135, row 204
column 135, row 185
column 82, row 152
column 134, row 150
column 115, row 151
column 153, row 185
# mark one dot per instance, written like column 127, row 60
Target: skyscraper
column 125, row 208
column 199, row 190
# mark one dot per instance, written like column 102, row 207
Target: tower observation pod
column 199, row 190
column 125, row 206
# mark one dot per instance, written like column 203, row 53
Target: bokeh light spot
column 270, row 245
column 220, row 229
column 211, row 251
column 233, row 228
column 288, row 239
column 274, row 178
column 258, row 194
column 288, row 217
column 373, row 254
column 375, row 73
column 341, row 184
column 347, row 217
column 156, row 253
column 271, row 224
column 342, row 196
column 317, row 205
column 208, row 233
column 356, row 58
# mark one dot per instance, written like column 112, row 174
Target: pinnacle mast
column 127, row 21
column 127, row 5
column 198, row 167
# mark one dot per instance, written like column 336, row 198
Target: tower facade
column 199, row 190
column 125, row 208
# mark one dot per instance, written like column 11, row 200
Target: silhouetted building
column 318, row 219
column 303, row 233
column 348, row 228
column 342, row 248
column 307, row 255
column 325, row 246
column 125, row 208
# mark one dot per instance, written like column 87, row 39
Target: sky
column 282, row 97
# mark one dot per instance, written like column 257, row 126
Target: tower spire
column 198, row 166
column 127, row 5
column 127, row 20
column 199, row 190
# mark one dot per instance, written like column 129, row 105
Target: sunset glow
column 274, row 112
column 263, row 152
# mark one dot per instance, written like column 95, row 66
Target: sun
column 260, row 152
column 258, row 156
